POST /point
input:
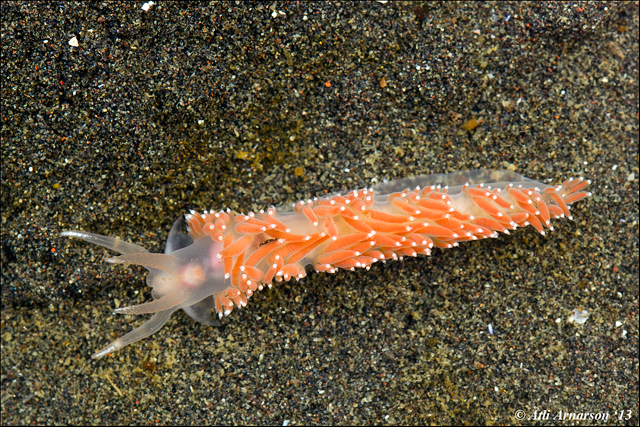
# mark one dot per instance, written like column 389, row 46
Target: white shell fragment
column 578, row 317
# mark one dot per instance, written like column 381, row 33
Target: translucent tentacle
column 163, row 262
column 173, row 299
column 112, row 243
column 147, row 328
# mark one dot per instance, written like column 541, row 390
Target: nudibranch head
column 186, row 277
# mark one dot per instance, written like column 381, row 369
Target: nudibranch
column 226, row 257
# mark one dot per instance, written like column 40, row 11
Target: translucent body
column 496, row 178
column 227, row 257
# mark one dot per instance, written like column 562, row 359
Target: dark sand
column 158, row 112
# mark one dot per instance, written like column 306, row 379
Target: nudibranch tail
column 227, row 257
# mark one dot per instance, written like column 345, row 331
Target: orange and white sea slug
column 227, row 257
